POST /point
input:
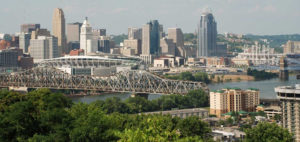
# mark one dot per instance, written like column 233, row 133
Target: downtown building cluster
column 149, row 43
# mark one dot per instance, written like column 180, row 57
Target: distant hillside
column 119, row 38
column 275, row 40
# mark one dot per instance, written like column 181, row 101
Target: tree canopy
column 41, row 115
column 268, row 132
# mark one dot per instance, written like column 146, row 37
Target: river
column 266, row 88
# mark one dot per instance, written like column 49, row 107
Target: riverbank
column 231, row 78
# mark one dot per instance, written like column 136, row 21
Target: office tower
column 73, row 32
column 103, row 44
column 151, row 38
column 177, row 36
column 8, row 58
column 135, row 44
column 233, row 99
column 39, row 32
column 135, row 33
column 87, row 41
column 289, row 97
column 161, row 31
column 207, row 35
column 73, row 35
column 102, row 32
column 167, row 46
column 44, row 48
column 292, row 47
column 28, row 28
column 24, row 40
column 58, row 29
column 99, row 32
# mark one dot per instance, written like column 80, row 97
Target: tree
column 186, row 76
column 40, row 113
column 277, row 117
column 198, row 98
column 91, row 124
column 193, row 126
column 268, row 132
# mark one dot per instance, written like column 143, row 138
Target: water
column 266, row 88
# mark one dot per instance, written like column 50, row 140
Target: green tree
column 91, row 124
column 198, row 98
column 186, row 76
column 268, row 132
column 193, row 126
column 39, row 113
column 277, row 117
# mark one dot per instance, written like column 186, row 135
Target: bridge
column 127, row 81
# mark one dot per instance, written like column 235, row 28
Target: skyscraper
column 135, row 33
column 177, row 36
column 87, row 42
column 58, row 28
column 151, row 38
column 28, row 28
column 24, row 40
column 207, row 35
column 289, row 97
column 44, row 47
column 73, row 32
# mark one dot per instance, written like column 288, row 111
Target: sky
column 263, row 17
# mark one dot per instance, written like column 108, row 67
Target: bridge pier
column 144, row 95
column 283, row 72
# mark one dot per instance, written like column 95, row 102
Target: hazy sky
column 237, row 16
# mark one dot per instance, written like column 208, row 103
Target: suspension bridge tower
column 283, row 71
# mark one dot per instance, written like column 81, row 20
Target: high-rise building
column 177, row 36
column 161, row 31
column 59, row 31
column 292, row 47
column 135, row 33
column 151, row 38
column 233, row 99
column 28, row 28
column 87, row 41
column 24, row 40
column 40, row 32
column 290, row 106
column 73, row 32
column 8, row 58
column 103, row 44
column 135, row 44
column 167, row 46
column 44, row 48
column 207, row 35
column 102, row 32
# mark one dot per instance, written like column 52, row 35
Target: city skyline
column 232, row 15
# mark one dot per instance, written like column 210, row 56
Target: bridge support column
column 283, row 72
column 144, row 95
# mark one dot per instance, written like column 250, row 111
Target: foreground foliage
column 268, row 132
column 45, row 116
